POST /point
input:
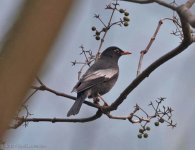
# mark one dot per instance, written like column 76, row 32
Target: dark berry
column 121, row 11
column 126, row 19
column 126, row 14
column 161, row 120
column 97, row 38
column 126, row 24
column 148, row 128
column 97, row 33
column 145, row 135
column 139, row 136
column 93, row 28
column 141, row 130
column 156, row 123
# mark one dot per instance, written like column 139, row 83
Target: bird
column 99, row 78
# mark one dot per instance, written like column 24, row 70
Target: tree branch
column 20, row 121
column 152, row 1
column 143, row 52
column 189, row 3
column 184, row 11
column 45, row 88
column 163, row 3
column 140, row 1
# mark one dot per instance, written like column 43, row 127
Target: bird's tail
column 77, row 104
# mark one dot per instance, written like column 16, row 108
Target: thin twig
column 107, row 27
column 45, row 88
column 25, row 101
column 143, row 52
column 40, row 82
column 22, row 120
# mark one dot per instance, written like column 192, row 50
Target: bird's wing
column 93, row 78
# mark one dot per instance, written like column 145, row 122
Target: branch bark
column 143, row 52
column 20, row 121
column 45, row 88
column 160, row 2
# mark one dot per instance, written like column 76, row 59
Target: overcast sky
column 174, row 80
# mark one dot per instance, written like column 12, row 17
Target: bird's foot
column 101, row 98
column 103, row 110
column 96, row 100
column 105, row 104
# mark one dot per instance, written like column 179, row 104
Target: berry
column 141, row 130
column 161, row 120
column 126, row 19
column 97, row 38
column 156, row 123
column 126, row 24
column 93, row 28
column 121, row 11
column 126, row 14
column 148, row 128
column 145, row 135
column 97, row 33
column 139, row 136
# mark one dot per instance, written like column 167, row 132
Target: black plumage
column 99, row 78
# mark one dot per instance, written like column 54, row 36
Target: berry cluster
column 161, row 113
column 143, row 132
column 125, row 18
column 106, row 26
column 97, row 33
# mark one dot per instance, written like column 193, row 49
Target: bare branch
column 98, row 17
column 185, row 13
column 140, row 1
column 45, row 88
column 54, row 120
column 143, row 52
column 189, row 3
column 30, row 96
column 116, row 117
column 165, row 4
column 160, row 2
column 40, row 82
column 107, row 27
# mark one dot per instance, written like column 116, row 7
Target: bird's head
column 114, row 52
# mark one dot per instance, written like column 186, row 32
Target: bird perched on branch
column 99, row 78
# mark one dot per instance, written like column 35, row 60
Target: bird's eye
column 117, row 51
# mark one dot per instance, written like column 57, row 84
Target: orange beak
column 125, row 53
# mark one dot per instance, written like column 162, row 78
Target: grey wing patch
column 89, row 80
column 106, row 73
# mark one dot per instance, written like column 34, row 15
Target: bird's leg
column 105, row 103
column 96, row 100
